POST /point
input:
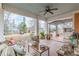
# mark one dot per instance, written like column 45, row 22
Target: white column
column 1, row 24
column 37, row 26
column 37, row 30
column 47, row 26
column 56, row 29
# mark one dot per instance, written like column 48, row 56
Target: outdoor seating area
column 39, row 29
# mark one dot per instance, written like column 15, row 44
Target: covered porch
column 30, row 24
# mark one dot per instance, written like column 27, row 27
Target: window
column 63, row 27
column 53, row 30
column 42, row 26
column 30, row 24
column 14, row 23
column 60, row 28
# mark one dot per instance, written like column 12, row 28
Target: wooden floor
column 54, row 45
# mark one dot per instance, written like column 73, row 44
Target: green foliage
column 23, row 27
column 42, row 35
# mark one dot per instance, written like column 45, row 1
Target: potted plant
column 42, row 35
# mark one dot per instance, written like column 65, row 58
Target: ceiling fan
column 49, row 10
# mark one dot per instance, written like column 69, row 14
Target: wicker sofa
column 21, row 43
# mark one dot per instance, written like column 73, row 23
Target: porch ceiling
column 35, row 8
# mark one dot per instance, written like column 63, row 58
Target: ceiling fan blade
column 51, row 12
column 42, row 11
column 54, row 9
column 45, row 13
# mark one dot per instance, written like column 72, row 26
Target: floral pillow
column 11, row 41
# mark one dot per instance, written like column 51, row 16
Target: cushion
column 2, row 46
column 19, row 49
column 9, row 51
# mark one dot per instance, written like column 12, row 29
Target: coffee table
column 36, row 48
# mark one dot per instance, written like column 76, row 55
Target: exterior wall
column 76, row 22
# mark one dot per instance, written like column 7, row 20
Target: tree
column 22, row 26
column 6, row 22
